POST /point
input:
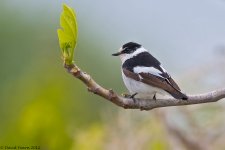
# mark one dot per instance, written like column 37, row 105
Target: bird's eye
column 127, row 50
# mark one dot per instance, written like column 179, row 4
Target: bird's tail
column 179, row 95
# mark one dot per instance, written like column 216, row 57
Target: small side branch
column 142, row 104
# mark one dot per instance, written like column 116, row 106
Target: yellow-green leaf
column 68, row 33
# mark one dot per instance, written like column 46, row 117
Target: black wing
column 166, row 84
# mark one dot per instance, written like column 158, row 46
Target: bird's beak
column 117, row 54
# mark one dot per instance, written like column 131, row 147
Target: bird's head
column 129, row 50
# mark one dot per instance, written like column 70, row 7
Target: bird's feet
column 125, row 95
column 133, row 95
column 154, row 97
column 130, row 96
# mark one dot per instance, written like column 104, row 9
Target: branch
column 142, row 104
column 189, row 141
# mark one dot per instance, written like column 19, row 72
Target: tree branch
column 142, row 104
column 189, row 141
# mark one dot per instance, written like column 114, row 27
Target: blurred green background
column 42, row 105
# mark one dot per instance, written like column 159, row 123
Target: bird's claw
column 130, row 96
column 126, row 95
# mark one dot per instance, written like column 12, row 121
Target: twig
column 142, row 104
column 189, row 141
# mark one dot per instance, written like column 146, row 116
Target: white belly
column 143, row 90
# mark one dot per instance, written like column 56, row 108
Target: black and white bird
column 143, row 74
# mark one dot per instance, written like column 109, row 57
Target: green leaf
column 68, row 33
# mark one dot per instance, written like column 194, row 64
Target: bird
column 144, row 76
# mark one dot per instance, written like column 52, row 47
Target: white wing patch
column 150, row 70
column 164, row 70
